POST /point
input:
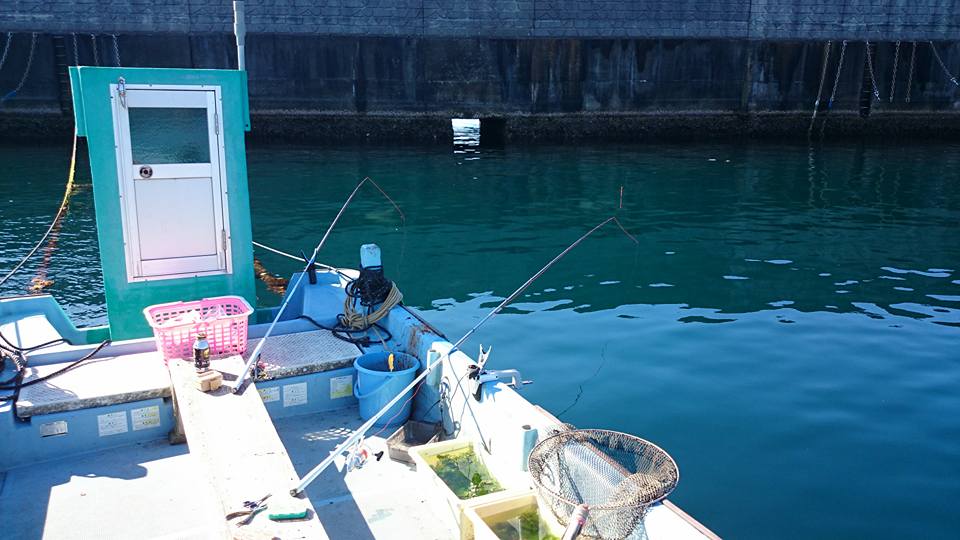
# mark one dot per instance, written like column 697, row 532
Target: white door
column 170, row 159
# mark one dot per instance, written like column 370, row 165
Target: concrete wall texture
column 343, row 66
column 729, row 19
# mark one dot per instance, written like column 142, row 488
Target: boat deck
column 95, row 495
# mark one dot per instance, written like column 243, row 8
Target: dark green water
column 788, row 328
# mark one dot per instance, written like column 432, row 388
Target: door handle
column 146, row 171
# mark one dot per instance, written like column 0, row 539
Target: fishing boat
column 341, row 413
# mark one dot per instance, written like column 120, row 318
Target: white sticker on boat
column 112, row 423
column 269, row 395
column 51, row 429
column 145, row 418
column 341, row 387
column 294, row 394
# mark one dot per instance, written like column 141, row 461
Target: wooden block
column 209, row 380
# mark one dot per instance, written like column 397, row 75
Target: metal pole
column 240, row 31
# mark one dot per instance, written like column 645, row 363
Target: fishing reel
column 477, row 376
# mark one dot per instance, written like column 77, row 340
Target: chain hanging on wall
column 26, row 72
column 836, row 82
column 873, row 79
column 116, row 50
column 93, row 43
column 913, row 60
column 942, row 65
column 76, row 50
column 893, row 78
column 6, row 49
column 823, row 74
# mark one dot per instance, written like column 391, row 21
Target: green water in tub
column 522, row 523
column 464, row 473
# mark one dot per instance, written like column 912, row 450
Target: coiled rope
column 355, row 319
column 54, row 225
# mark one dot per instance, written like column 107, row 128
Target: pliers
column 250, row 509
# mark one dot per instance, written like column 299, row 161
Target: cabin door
column 170, row 158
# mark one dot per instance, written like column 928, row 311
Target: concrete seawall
column 399, row 70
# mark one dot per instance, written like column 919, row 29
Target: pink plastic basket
column 223, row 319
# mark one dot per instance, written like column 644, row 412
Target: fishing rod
column 358, row 434
column 238, row 385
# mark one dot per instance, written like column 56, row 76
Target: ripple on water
column 932, row 272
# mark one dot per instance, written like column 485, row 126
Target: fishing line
column 239, row 384
column 359, row 433
column 603, row 360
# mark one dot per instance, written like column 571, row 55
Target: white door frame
column 192, row 96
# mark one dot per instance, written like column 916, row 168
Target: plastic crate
column 413, row 433
column 176, row 324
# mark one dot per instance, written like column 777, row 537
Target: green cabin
column 169, row 172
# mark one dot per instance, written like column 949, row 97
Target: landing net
column 618, row 475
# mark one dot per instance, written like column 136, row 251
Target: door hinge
column 216, row 122
column 122, row 91
column 223, row 240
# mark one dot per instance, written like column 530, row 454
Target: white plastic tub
column 480, row 518
column 424, row 455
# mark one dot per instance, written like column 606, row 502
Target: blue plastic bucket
column 376, row 385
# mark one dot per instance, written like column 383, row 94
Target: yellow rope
column 356, row 320
column 55, row 224
column 40, row 281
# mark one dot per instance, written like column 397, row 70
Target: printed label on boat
column 269, row 395
column 295, row 394
column 112, row 423
column 341, row 387
column 145, row 418
column 51, row 429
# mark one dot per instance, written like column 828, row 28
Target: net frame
column 620, row 476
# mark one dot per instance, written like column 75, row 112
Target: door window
column 168, row 135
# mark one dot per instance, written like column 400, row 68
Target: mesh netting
column 618, row 475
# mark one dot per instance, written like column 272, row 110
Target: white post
column 240, row 31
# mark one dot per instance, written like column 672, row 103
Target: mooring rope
column 54, row 227
column 40, row 280
column 26, row 72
